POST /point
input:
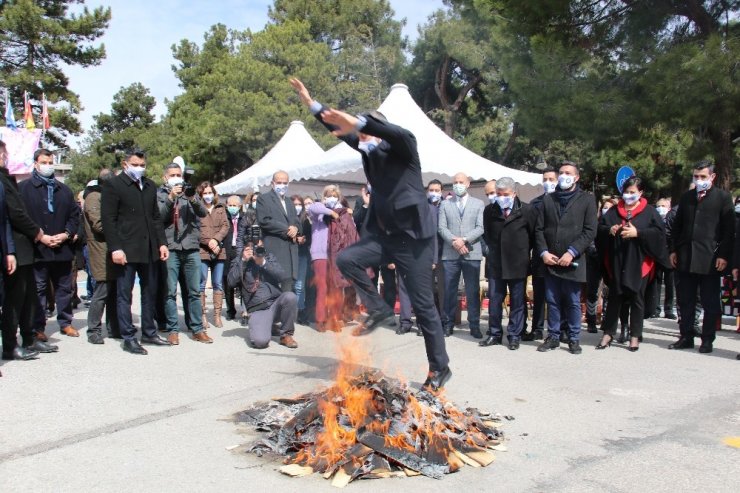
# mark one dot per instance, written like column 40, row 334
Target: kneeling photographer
column 259, row 276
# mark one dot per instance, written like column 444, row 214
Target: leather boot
column 205, row 309
column 218, row 303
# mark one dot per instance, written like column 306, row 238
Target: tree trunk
column 723, row 158
column 510, row 144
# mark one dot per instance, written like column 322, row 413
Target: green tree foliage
column 37, row 38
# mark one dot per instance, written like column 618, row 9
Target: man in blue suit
column 400, row 228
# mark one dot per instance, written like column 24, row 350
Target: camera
column 188, row 190
column 254, row 235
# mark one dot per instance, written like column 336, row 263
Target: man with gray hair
column 231, row 241
column 508, row 227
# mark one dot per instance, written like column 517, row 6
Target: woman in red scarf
column 630, row 240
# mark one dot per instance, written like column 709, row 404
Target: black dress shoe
column 705, row 348
column 490, row 341
column 592, row 328
column 419, row 333
column 155, row 341
column 437, row 379
column 670, row 315
column 96, row 338
column 528, row 336
column 403, row 329
column 514, row 345
column 549, row 344
column 20, row 353
column 133, row 346
column 373, row 321
column 574, row 347
column 682, row 343
column 476, row 333
column 623, row 335
column 448, row 330
column 43, row 347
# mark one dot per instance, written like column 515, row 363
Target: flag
column 45, row 122
column 28, row 113
column 9, row 116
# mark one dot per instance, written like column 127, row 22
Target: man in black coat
column 20, row 286
column 566, row 227
column 701, row 243
column 278, row 219
column 399, row 225
column 136, row 242
column 236, row 219
column 52, row 205
column 508, row 230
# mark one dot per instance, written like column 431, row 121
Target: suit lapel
column 280, row 203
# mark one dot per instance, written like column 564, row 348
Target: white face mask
column 566, row 181
column 331, row 202
column 549, row 186
column 281, row 189
column 208, row 198
column 46, row 170
column 174, row 181
column 460, row 189
column 492, row 198
column 663, row 211
column 369, row 188
column 630, row 198
column 136, row 172
column 298, row 209
column 434, row 197
column 702, row 185
column 604, row 211
column 737, row 208
column 505, row 202
column 367, row 146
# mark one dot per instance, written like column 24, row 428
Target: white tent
column 296, row 146
column 439, row 154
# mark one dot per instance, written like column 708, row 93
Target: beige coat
column 214, row 226
column 96, row 246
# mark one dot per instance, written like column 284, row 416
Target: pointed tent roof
column 294, row 147
column 439, row 154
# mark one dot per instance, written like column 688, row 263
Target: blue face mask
column 331, row 202
column 549, row 186
column 233, row 210
column 566, row 181
column 504, row 202
column 434, row 197
column 630, row 198
column 281, row 189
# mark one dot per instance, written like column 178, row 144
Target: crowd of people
column 278, row 259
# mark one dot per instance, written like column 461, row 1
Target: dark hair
column 550, row 169
column 434, row 182
column 2, row 146
column 105, row 174
column 570, row 163
column 134, row 152
column 705, row 163
column 202, row 187
column 41, row 152
column 296, row 197
column 634, row 181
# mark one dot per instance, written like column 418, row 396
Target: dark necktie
column 701, row 195
column 506, row 212
column 176, row 216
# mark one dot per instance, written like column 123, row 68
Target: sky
column 141, row 32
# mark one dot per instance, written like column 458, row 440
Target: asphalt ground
column 95, row 418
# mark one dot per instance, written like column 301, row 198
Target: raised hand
column 345, row 123
column 301, row 90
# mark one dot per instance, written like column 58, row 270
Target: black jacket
column 7, row 245
column 574, row 228
column 703, row 231
column 397, row 198
column 509, row 239
column 274, row 221
column 246, row 220
column 131, row 220
column 25, row 229
column 537, row 267
column 260, row 286
column 65, row 218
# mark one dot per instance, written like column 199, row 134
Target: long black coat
column 703, row 231
column 575, row 228
column 393, row 170
column 537, row 267
column 274, row 221
column 24, row 228
column 131, row 220
column 65, row 218
column 509, row 239
column 623, row 258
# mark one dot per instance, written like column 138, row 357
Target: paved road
column 94, row 418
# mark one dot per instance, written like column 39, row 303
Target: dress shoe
column 490, row 341
column 705, row 348
column 514, row 344
column 202, row 336
column 539, row 335
column 670, row 315
column 43, row 347
column 549, row 344
column 95, row 338
column 403, row 329
column 448, row 330
column 682, row 343
column 622, row 335
column 419, row 332
column 173, row 338
column 155, row 341
column 437, row 379
column 476, row 333
column 373, row 321
column 528, row 336
column 230, row 316
column 288, row 342
column 69, row 331
column 605, row 344
column 40, row 336
column 574, row 347
column 592, row 328
column 49, row 313
column 133, row 347
column 20, row 353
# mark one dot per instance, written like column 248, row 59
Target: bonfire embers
column 368, row 425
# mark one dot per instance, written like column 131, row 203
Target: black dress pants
column 19, row 307
column 617, row 305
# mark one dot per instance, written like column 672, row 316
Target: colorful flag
column 45, row 121
column 9, row 115
column 28, row 113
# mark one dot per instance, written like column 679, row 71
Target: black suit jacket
column 398, row 201
column 131, row 220
column 509, row 239
column 25, row 230
column 703, row 231
column 274, row 219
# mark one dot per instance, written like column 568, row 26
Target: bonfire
column 368, row 425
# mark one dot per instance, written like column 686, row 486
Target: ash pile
column 370, row 426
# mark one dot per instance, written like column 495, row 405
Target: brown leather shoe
column 173, row 338
column 202, row 336
column 70, row 331
column 40, row 336
column 288, row 342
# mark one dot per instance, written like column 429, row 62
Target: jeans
column 516, row 311
column 125, row 278
column 470, row 270
column 563, row 295
column 300, row 283
column 61, row 277
column 217, row 274
column 90, row 285
column 184, row 263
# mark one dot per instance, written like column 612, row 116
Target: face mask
column 136, row 172
column 298, row 209
column 604, row 211
column 549, row 186
column 737, row 208
column 254, row 205
column 367, row 146
column 505, row 202
column 434, row 197
column 208, row 198
column 702, row 185
column 630, row 198
column 330, row 202
column 459, row 189
column 281, row 189
column 233, row 210
column 566, row 181
column 662, row 210
column 46, row 170
column 369, row 188
column 492, row 198
column 174, row 181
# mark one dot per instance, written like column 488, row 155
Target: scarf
column 50, row 183
column 564, row 197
